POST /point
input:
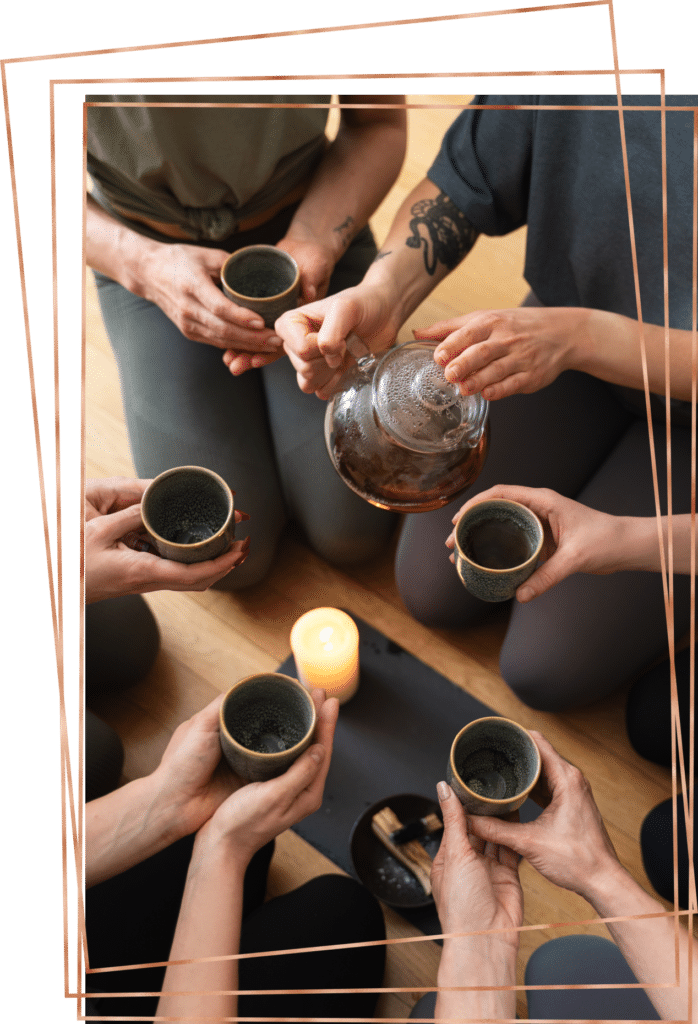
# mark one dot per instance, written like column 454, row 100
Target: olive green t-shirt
column 203, row 168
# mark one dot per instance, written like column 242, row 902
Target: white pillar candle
column 325, row 645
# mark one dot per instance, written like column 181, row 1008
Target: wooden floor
column 211, row 639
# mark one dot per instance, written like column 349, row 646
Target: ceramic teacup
column 262, row 278
column 266, row 721
column 498, row 543
column 493, row 766
column 189, row 514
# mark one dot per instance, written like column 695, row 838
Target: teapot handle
column 359, row 350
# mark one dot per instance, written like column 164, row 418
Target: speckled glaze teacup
column 262, row 278
column 266, row 721
column 498, row 543
column 493, row 766
column 189, row 514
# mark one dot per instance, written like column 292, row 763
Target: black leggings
column 131, row 919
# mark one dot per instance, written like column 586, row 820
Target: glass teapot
column 401, row 435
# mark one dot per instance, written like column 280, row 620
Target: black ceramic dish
column 381, row 873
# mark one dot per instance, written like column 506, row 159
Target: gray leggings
column 259, row 431
column 576, row 960
column 589, row 634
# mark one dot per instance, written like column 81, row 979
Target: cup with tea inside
column 262, row 278
column 189, row 514
column 498, row 543
column 266, row 721
column 493, row 766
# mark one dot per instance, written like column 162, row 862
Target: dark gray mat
column 393, row 737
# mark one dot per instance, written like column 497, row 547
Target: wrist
column 215, row 844
column 607, row 889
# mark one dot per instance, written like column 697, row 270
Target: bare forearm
column 639, row 548
column 125, row 827
column 476, row 961
column 427, row 240
column 610, row 349
column 356, row 173
column 208, row 926
column 649, row 945
column 116, row 250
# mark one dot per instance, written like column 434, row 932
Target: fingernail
column 333, row 361
column 275, row 342
column 257, row 323
column 442, row 788
column 316, row 754
column 525, row 594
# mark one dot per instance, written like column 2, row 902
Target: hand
column 501, row 352
column 568, row 843
column 316, row 263
column 192, row 779
column 258, row 812
column 577, row 538
column 315, row 260
column 476, row 884
column 118, row 558
column 183, row 281
column 316, row 336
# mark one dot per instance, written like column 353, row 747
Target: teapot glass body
column 401, row 436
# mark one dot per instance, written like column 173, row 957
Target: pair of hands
column 183, row 281
column 496, row 352
column 195, row 788
column 118, row 558
column 577, row 538
column 475, row 874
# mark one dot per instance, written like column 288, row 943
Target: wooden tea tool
column 412, row 854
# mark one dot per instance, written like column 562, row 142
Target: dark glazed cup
column 262, row 278
column 266, row 721
column 189, row 514
column 498, row 543
column 493, row 766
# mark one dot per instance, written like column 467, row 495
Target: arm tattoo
column 449, row 235
column 345, row 230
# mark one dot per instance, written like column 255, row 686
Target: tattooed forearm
column 345, row 230
column 446, row 233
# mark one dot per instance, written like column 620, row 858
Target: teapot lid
column 419, row 408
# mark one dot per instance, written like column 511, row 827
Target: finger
column 454, row 819
column 294, row 327
column 437, row 331
column 546, row 576
column 114, row 525
column 207, row 718
column 501, row 833
column 554, row 767
column 241, row 517
column 508, row 857
column 299, row 778
column 343, row 317
column 326, row 721
column 474, row 330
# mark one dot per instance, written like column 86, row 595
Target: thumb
column 302, row 772
column 544, row 578
column 502, row 833
column 117, row 524
column 455, row 823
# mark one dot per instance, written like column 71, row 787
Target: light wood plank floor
column 211, row 639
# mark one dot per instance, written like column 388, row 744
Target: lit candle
column 325, row 644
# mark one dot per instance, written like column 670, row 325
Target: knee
column 122, row 641
column 254, row 569
column 548, row 681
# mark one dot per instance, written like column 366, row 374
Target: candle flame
column 324, row 636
